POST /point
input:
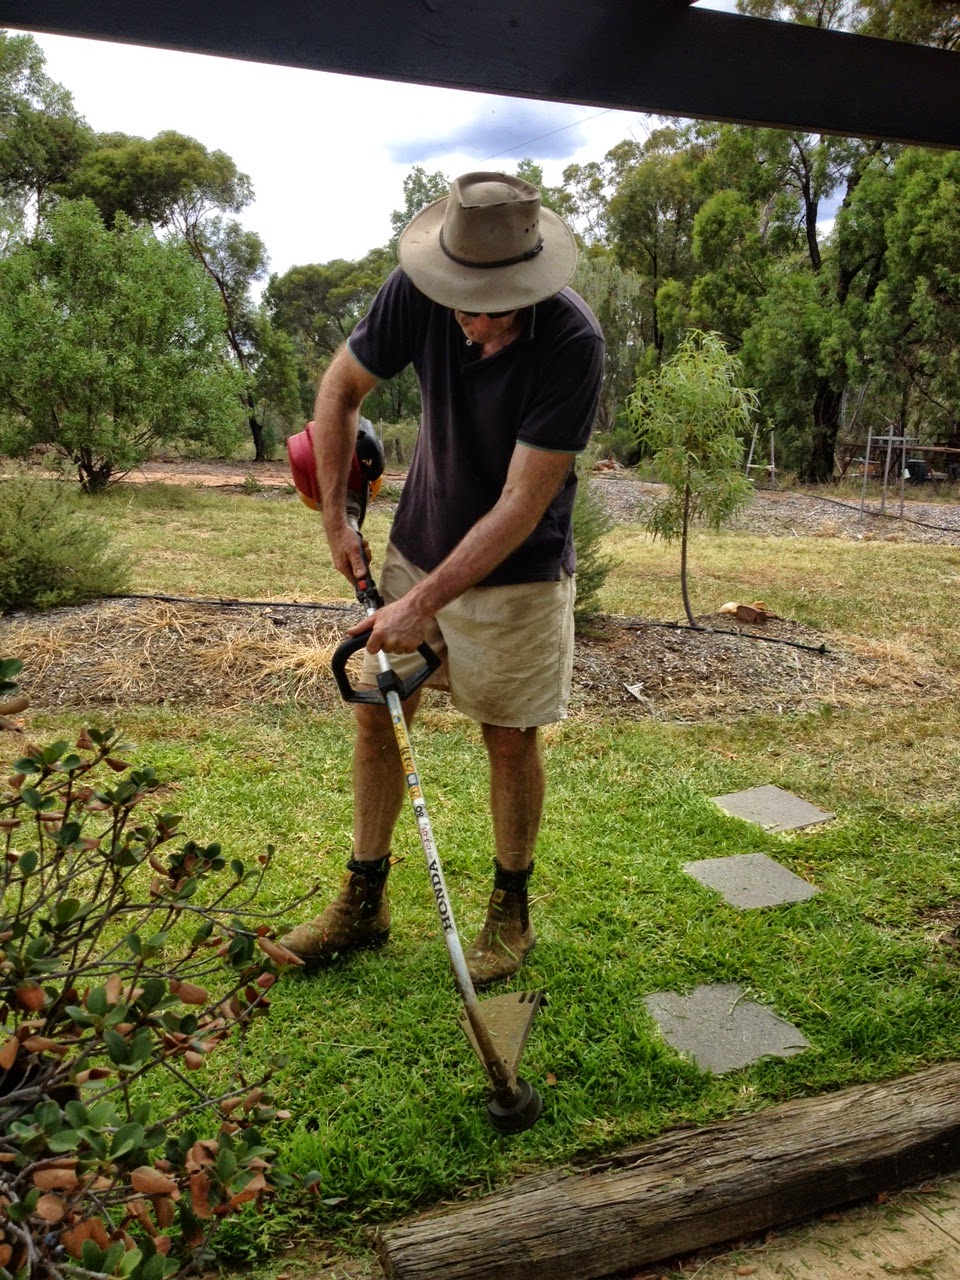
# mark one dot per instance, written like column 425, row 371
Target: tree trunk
column 684, row 538
column 256, row 429
column 692, row 1189
column 826, row 427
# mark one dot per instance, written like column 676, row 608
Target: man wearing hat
column 480, row 561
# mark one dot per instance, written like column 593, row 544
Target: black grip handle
column 387, row 681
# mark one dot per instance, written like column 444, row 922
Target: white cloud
column 327, row 153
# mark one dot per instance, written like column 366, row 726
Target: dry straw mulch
column 155, row 653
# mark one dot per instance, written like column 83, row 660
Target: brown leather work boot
column 507, row 936
column 357, row 919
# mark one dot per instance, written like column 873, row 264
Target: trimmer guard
column 508, row 1019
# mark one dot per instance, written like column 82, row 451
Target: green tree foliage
column 170, row 180
column 41, row 136
column 692, row 417
column 419, row 189
column 912, row 331
column 616, row 297
column 111, row 343
column 51, row 552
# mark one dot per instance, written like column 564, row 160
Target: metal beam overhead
column 659, row 56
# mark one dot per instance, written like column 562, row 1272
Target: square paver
column 751, row 880
column 721, row 1029
column 772, row 808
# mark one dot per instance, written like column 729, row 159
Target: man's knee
column 510, row 747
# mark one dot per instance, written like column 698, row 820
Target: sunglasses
column 491, row 315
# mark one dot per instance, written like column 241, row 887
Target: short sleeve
column 562, row 411
column 384, row 341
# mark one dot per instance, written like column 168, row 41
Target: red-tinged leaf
column 30, row 996
column 252, row 1098
column 229, row 1106
column 59, row 1178
column 118, row 766
column 192, row 1060
column 85, row 742
column 8, row 1054
column 200, row 1195
column 277, row 952
column 43, row 1044
column 16, row 780
column 151, row 1182
column 282, row 1115
column 89, row 845
column 550, row 1078
column 162, row 1245
column 51, row 816
column 139, row 1209
column 190, row 993
column 10, row 824
column 114, row 988
column 93, row 1073
column 165, row 1210
column 201, row 1154
column 745, row 1271
column 51, row 1208
column 266, row 980
column 97, row 806
column 90, row 1229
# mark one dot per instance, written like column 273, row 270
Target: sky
column 327, row 154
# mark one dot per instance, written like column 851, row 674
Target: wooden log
column 692, row 1188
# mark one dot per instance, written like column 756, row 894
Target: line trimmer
column 496, row 1028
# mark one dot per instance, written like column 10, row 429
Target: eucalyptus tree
column 42, row 137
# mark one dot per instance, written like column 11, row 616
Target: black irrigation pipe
column 235, row 604
column 869, row 511
column 346, row 608
column 727, row 631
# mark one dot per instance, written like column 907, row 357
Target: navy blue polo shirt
column 540, row 391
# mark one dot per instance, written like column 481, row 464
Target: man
column 480, row 561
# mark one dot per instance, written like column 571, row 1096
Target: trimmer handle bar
column 387, row 681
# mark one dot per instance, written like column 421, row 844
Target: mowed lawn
column 386, row 1097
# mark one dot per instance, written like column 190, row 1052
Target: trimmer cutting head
column 508, row 1019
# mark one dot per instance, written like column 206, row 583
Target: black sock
column 511, row 881
column 376, row 867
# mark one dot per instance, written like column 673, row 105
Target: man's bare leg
column 517, row 789
column 359, row 916
column 378, row 779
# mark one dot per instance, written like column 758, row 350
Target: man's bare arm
column 533, row 480
column 336, row 412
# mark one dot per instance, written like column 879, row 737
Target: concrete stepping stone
column 721, row 1029
column 772, row 808
column 751, row 880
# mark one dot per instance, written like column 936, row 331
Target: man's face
column 482, row 327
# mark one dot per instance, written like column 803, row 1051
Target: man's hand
column 400, row 627
column 345, row 543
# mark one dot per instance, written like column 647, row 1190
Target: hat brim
column 485, row 288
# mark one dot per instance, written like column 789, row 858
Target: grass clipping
column 158, row 653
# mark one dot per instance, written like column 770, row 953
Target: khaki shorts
column 507, row 651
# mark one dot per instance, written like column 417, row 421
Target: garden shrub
column 51, row 552
column 123, row 964
column 591, row 522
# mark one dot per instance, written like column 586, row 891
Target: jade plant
column 127, row 954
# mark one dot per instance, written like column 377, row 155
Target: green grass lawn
column 386, row 1097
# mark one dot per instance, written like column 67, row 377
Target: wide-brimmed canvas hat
column 488, row 246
